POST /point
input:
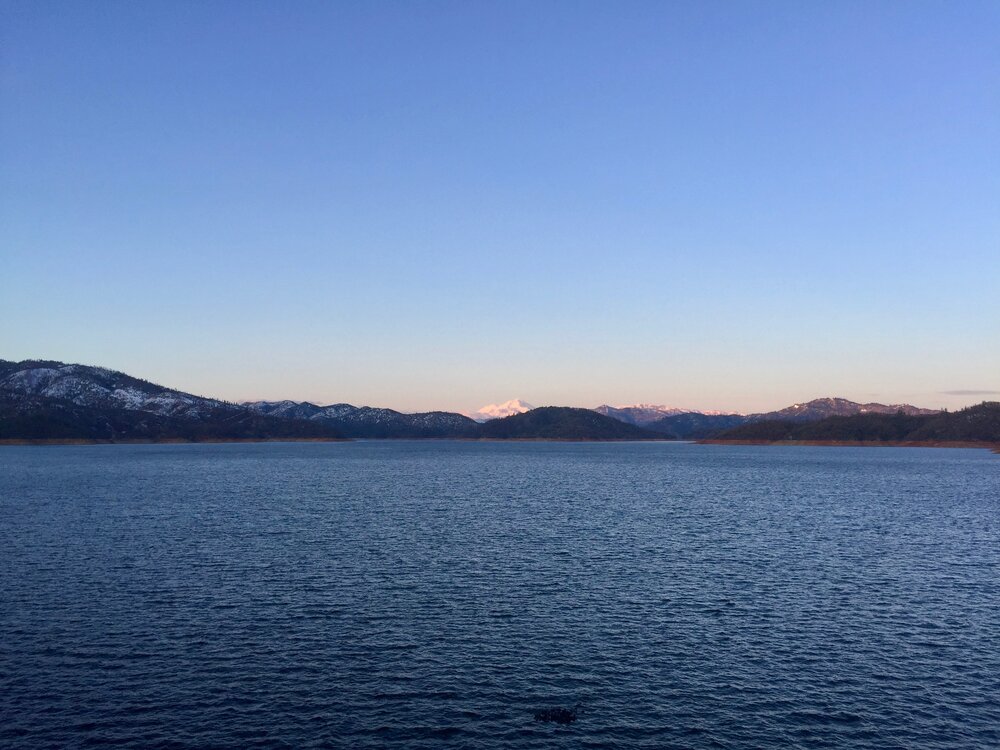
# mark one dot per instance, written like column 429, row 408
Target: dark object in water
column 558, row 715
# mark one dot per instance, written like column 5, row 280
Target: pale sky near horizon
column 436, row 205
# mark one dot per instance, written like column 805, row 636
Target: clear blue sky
column 439, row 205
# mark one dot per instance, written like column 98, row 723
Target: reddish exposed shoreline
column 995, row 447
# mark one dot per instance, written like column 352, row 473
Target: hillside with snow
column 371, row 421
column 98, row 387
column 641, row 414
column 45, row 400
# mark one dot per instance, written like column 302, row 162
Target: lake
column 427, row 594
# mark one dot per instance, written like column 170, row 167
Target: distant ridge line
column 47, row 399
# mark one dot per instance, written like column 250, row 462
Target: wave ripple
column 417, row 595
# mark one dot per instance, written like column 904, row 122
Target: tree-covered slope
column 562, row 423
column 59, row 419
column 980, row 423
column 694, row 425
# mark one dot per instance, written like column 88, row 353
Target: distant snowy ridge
column 682, row 423
column 644, row 414
column 820, row 408
column 369, row 421
column 498, row 411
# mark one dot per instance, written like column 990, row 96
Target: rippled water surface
column 424, row 594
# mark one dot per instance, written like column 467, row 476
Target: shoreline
column 41, row 442
column 218, row 441
column 163, row 441
column 995, row 447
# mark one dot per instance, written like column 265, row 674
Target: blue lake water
column 427, row 594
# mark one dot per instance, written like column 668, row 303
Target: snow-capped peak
column 497, row 411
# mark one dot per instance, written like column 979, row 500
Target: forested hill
column 980, row 423
column 562, row 423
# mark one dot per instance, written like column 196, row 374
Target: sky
column 435, row 205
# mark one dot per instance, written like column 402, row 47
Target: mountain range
column 697, row 425
column 43, row 400
column 641, row 414
column 369, row 421
column 49, row 400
